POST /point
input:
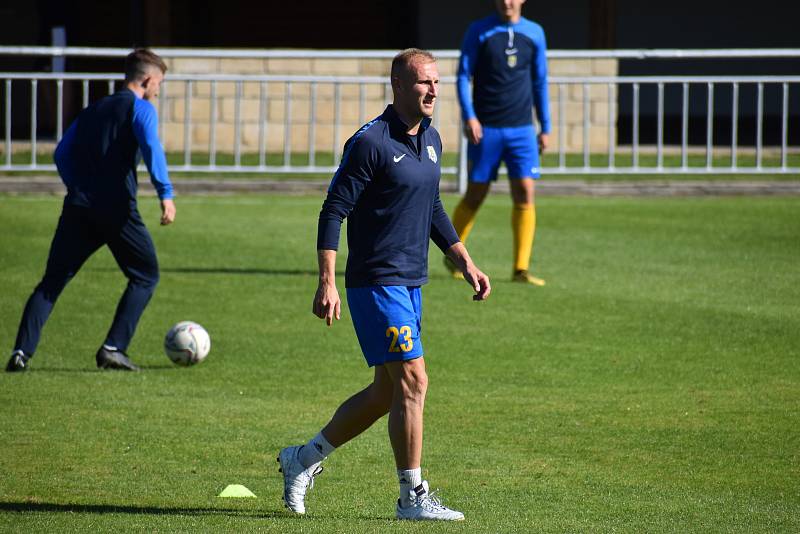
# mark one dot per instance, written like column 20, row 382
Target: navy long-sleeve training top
column 387, row 186
column 98, row 155
column 508, row 67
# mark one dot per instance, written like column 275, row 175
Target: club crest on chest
column 432, row 154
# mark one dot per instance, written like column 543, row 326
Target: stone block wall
column 269, row 100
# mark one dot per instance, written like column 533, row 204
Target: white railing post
column 784, row 125
column 612, row 141
column 337, row 97
column 759, row 124
column 287, row 125
column 262, row 125
column 8, row 123
column 237, row 126
column 735, row 127
column 59, row 109
column 463, row 170
column 212, row 134
column 710, row 127
column 635, row 140
column 562, row 129
column 187, row 124
column 660, row 128
column 312, row 125
column 586, row 126
column 685, row 128
column 34, row 109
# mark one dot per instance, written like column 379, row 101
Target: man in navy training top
column 388, row 187
column 504, row 55
column 97, row 161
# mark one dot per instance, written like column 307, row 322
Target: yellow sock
column 523, row 223
column 463, row 219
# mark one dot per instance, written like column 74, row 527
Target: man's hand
column 167, row 211
column 474, row 276
column 327, row 304
column 478, row 281
column 544, row 142
column 474, row 131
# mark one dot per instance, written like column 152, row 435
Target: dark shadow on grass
column 228, row 270
column 46, row 507
column 239, row 270
column 37, row 369
column 130, row 509
column 91, row 370
column 79, row 370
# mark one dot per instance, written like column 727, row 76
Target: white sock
column 316, row 450
column 409, row 479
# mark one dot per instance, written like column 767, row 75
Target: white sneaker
column 296, row 478
column 424, row 506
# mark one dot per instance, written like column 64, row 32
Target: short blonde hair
column 402, row 60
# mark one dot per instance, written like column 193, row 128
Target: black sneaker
column 18, row 362
column 114, row 359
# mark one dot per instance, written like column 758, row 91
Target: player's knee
column 523, row 192
column 153, row 276
column 52, row 285
column 146, row 278
column 473, row 203
column 474, row 198
column 55, row 279
column 414, row 383
column 521, row 195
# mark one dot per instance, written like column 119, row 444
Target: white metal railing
column 644, row 53
column 563, row 163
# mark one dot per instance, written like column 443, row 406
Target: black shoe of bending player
column 18, row 362
column 114, row 359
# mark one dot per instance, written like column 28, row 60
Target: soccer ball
column 187, row 343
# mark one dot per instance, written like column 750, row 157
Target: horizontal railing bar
column 580, row 170
column 655, row 53
column 301, row 78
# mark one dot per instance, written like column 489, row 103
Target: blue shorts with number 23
column 387, row 320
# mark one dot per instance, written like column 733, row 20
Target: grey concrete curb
column 645, row 188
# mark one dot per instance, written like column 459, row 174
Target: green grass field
column 652, row 386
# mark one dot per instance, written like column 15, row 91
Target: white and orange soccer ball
column 187, row 343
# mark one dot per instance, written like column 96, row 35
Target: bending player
column 97, row 161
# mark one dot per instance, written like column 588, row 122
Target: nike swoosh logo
column 398, row 158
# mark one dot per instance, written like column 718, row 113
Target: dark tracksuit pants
column 80, row 232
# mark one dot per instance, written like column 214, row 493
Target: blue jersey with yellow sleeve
column 507, row 64
column 387, row 186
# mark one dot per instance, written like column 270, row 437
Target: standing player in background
column 388, row 187
column 504, row 55
column 97, row 161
